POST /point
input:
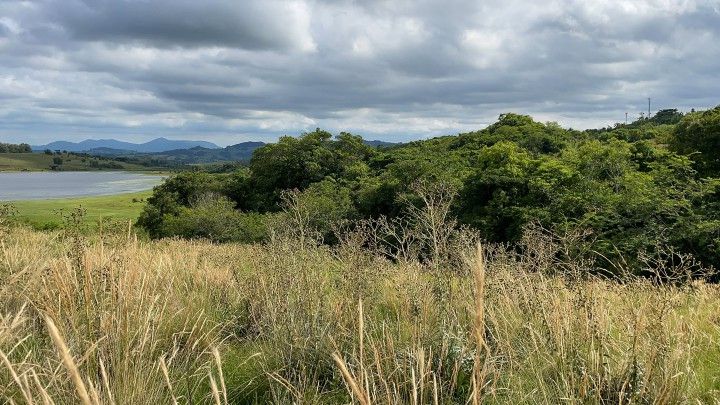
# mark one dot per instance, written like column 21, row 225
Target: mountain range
column 113, row 146
column 240, row 152
column 169, row 151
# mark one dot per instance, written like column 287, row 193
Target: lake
column 46, row 185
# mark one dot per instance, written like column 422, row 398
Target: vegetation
column 63, row 161
column 524, row 263
column 699, row 135
column 107, row 210
column 12, row 148
column 107, row 318
column 180, row 158
column 627, row 192
column 198, row 155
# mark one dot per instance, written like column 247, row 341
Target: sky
column 232, row 71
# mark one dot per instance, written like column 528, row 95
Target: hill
column 380, row 144
column 240, row 152
column 106, row 145
column 62, row 161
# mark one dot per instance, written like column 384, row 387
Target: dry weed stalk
column 178, row 322
column 482, row 351
column 68, row 361
column 350, row 380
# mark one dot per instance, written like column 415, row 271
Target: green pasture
column 49, row 214
column 70, row 162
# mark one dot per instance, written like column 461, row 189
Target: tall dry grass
column 115, row 320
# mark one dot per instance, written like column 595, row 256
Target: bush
column 698, row 134
column 619, row 184
column 12, row 148
column 213, row 217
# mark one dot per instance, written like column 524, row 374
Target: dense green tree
column 215, row 218
column 698, row 134
column 498, row 197
column 13, row 148
column 327, row 203
column 174, row 193
column 698, row 233
column 295, row 163
column 534, row 136
column 667, row 116
column 619, row 185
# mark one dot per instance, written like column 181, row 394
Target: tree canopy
column 13, row 148
column 648, row 186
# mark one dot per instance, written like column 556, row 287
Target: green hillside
column 62, row 162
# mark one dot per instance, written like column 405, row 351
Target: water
column 46, row 185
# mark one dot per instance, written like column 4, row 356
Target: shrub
column 213, row 217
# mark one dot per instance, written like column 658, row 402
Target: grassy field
column 48, row 214
column 41, row 161
column 115, row 319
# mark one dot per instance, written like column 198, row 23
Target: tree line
column 15, row 148
column 649, row 189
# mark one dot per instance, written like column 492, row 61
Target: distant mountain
column 239, row 152
column 105, row 146
column 185, row 152
column 380, row 144
column 110, row 152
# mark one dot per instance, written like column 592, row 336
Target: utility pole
column 625, row 118
column 648, row 107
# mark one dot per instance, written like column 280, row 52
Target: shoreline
column 46, row 188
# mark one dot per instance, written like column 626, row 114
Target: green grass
column 48, row 214
column 41, row 161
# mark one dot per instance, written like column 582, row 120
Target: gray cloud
column 250, row 24
column 230, row 71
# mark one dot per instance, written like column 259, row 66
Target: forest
column 620, row 197
column 15, row 148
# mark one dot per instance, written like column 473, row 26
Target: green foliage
column 521, row 129
column 7, row 218
column 215, row 218
column 667, row 116
column 12, row 148
column 620, row 187
column 498, row 198
column 176, row 192
column 295, row 163
column 698, row 135
column 70, row 161
column 327, row 203
column 699, row 232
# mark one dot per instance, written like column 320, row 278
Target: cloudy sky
column 235, row 70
